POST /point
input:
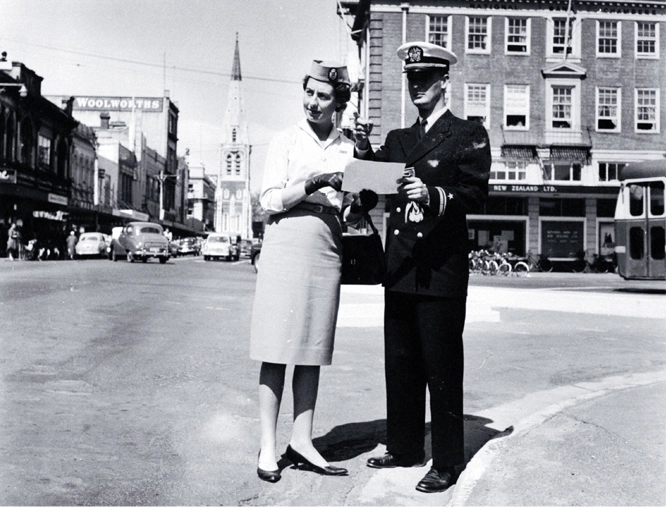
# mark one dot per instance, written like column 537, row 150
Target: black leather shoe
column 268, row 476
column 389, row 460
column 302, row 463
column 435, row 481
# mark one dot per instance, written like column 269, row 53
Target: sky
column 142, row 47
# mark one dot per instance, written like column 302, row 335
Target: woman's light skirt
column 298, row 289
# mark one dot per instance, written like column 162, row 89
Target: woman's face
column 319, row 102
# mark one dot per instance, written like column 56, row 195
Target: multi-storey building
column 153, row 119
column 83, row 164
column 35, row 144
column 234, row 208
column 201, row 197
column 570, row 92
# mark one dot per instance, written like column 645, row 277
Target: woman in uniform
column 298, row 286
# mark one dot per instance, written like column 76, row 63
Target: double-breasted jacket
column 427, row 246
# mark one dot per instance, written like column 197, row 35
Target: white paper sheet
column 377, row 176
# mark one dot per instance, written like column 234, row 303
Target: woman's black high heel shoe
column 267, row 476
column 297, row 459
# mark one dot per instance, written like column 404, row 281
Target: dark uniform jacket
column 427, row 253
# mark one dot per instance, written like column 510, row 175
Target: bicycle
column 591, row 262
column 538, row 263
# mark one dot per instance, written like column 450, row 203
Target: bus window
column 636, row 235
column 657, row 242
column 636, row 200
column 656, row 199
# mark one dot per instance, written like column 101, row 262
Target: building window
column 608, row 109
column 562, row 171
column 233, row 136
column 44, row 151
column 512, row 170
column 561, row 207
column 562, row 39
column 438, row 31
column 647, row 110
column 647, row 40
column 608, row 38
column 562, row 107
column 516, row 107
column 478, row 34
column 173, row 129
column 518, row 36
column 229, row 163
column 477, row 103
column 610, row 171
column 238, row 164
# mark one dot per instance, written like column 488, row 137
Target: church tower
column 233, row 212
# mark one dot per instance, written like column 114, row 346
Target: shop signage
column 8, row 175
column 153, row 104
column 561, row 239
column 59, row 215
column 553, row 189
column 57, row 199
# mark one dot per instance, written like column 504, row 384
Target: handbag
column 363, row 260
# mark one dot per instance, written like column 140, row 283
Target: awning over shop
column 521, row 153
column 569, row 154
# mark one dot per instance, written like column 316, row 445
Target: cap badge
column 415, row 54
column 332, row 74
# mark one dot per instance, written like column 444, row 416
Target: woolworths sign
column 153, row 104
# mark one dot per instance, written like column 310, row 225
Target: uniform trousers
column 423, row 346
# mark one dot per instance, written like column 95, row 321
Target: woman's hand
column 362, row 129
column 367, row 199
column 413, row 189
column 324, row 180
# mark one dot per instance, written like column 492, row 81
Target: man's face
column 426, row 87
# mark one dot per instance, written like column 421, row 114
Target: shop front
column 560, row 222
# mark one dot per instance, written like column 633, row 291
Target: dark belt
column 304, row 205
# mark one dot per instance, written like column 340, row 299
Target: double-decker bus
column 640, row 221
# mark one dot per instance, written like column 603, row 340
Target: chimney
column 104, row 117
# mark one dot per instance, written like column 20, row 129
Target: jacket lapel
column 435, row 136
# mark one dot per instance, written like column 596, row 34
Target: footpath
column 597, row 443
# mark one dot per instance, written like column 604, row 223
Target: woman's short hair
column 342, row 93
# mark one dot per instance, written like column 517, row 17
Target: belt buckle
column 319, row 208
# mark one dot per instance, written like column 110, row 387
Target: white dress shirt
column 294, row 155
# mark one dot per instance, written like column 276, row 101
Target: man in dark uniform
column 447, row 163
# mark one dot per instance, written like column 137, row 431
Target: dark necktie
column 422, row 129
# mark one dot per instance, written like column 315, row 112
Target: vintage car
column 221, row 245
column 91, row 245
column 141, row 241
column 189, row 246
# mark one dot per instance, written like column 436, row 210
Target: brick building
column 569, row 93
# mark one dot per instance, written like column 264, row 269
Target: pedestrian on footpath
column 71, row 245
column 298, row 287
column 447, row 163
column 13, row 242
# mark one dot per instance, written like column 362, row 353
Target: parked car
column 174, row 248
column 221, row 245
column 255, row 254
column 91, row 245
column 245, row 248
column 189, row 246
column 141, row 241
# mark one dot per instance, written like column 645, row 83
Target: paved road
column 129, row 384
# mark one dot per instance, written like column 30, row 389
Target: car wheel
column 144, row 259
column 163, row 260
column 130, row 257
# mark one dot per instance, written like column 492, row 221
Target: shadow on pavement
column 348, row 441
column 644, row 291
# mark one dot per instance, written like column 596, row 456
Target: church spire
column 236, row 71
